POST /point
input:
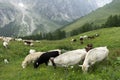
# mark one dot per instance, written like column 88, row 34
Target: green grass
column 108, row 69
column 98, row 16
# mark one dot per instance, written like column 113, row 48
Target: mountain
column 98, row 17
column 26, row 17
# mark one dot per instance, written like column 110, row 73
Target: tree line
column 56, row 35
column 112, row 21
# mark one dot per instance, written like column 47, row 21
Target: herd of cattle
column 56, row 58
column 6, row 41
column 85, row 37
column 70, row 58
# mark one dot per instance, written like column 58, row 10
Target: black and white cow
column 44, row 58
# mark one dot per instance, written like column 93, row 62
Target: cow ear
column 80, row 65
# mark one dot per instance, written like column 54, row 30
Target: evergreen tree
column 112, row 21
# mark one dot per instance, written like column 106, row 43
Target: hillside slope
column 98, row 17
column 105, row 70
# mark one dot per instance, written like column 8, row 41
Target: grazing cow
column 73, row 40
column 29, row 43
column 89, row 47
column 44, row 58
column 7, row 39
column 31, row 58
column 93, row 56
column 6, row 61
column 91, row 37
column 69, row 58
column 18, row 39
column 85, row 37
column 5, row 44
column 81, row 39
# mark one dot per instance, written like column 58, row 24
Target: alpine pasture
column 109, row 69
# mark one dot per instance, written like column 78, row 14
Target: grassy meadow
column 108, row 69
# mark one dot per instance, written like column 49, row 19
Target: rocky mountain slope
column 26, row 17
